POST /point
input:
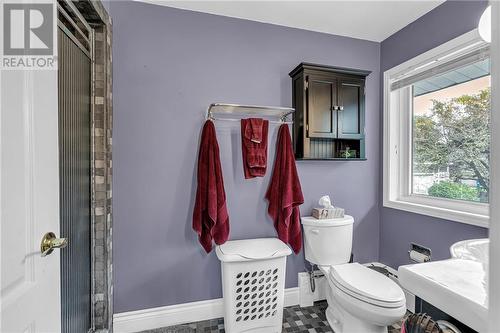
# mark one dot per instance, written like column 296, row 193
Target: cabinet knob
column 335, row 108
column 341, row 108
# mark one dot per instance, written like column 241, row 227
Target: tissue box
column 328, row 213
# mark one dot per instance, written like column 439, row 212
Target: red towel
column 210, row 218
column 284, row 192
column 254, row 146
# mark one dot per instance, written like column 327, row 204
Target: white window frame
column 397, row 143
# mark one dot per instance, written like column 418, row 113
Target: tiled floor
column 295, row 319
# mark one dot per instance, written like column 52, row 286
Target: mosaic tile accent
column 103, row 117
column 295, row 319
column 102, row 123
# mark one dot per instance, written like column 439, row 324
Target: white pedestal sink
column 457, row 286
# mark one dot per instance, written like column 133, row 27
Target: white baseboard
column 291, row 296
column 140, row 320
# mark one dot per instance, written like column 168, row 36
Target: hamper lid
column 252, row 249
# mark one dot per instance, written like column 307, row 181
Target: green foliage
column 452, row 190
column 455, row 136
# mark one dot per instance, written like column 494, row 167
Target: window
column 437, row 132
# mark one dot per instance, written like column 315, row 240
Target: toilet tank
column 327, row 241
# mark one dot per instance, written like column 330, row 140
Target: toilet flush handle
column 315, row 231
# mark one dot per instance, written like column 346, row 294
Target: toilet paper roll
column 419, row 257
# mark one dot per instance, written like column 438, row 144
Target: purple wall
column 399, row 228
column 169, row 65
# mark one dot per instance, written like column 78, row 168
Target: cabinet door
column 351, row 109
column 321, row 97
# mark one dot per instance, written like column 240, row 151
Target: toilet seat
column 366, row 285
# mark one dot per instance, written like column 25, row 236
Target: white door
column 30, row 283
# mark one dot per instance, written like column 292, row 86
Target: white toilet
column 360, row 300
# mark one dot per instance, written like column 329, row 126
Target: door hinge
column 306, row 85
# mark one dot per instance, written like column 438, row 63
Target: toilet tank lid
column 252, row 249
column 312, row 221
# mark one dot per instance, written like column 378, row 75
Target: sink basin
column 457, row 286
column 471, row 249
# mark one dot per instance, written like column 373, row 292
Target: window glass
column 451, row 134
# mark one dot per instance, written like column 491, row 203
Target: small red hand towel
column 210, row 217
column 254, row 131
column 254, row 146
column 284, row 192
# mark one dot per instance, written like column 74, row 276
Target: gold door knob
column 50, row 242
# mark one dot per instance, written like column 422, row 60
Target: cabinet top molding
column 343, row 70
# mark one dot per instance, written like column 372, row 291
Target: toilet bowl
column 359, row 299
column 362, row 300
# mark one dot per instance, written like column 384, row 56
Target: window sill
column 461, row 216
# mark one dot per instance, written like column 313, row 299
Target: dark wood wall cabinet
column 329, row 120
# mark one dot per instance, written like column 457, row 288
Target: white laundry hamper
column 253, row 283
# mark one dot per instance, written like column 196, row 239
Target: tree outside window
column 451, row 142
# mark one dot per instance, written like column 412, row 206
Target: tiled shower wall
column 102, row 124
column 103, row 117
